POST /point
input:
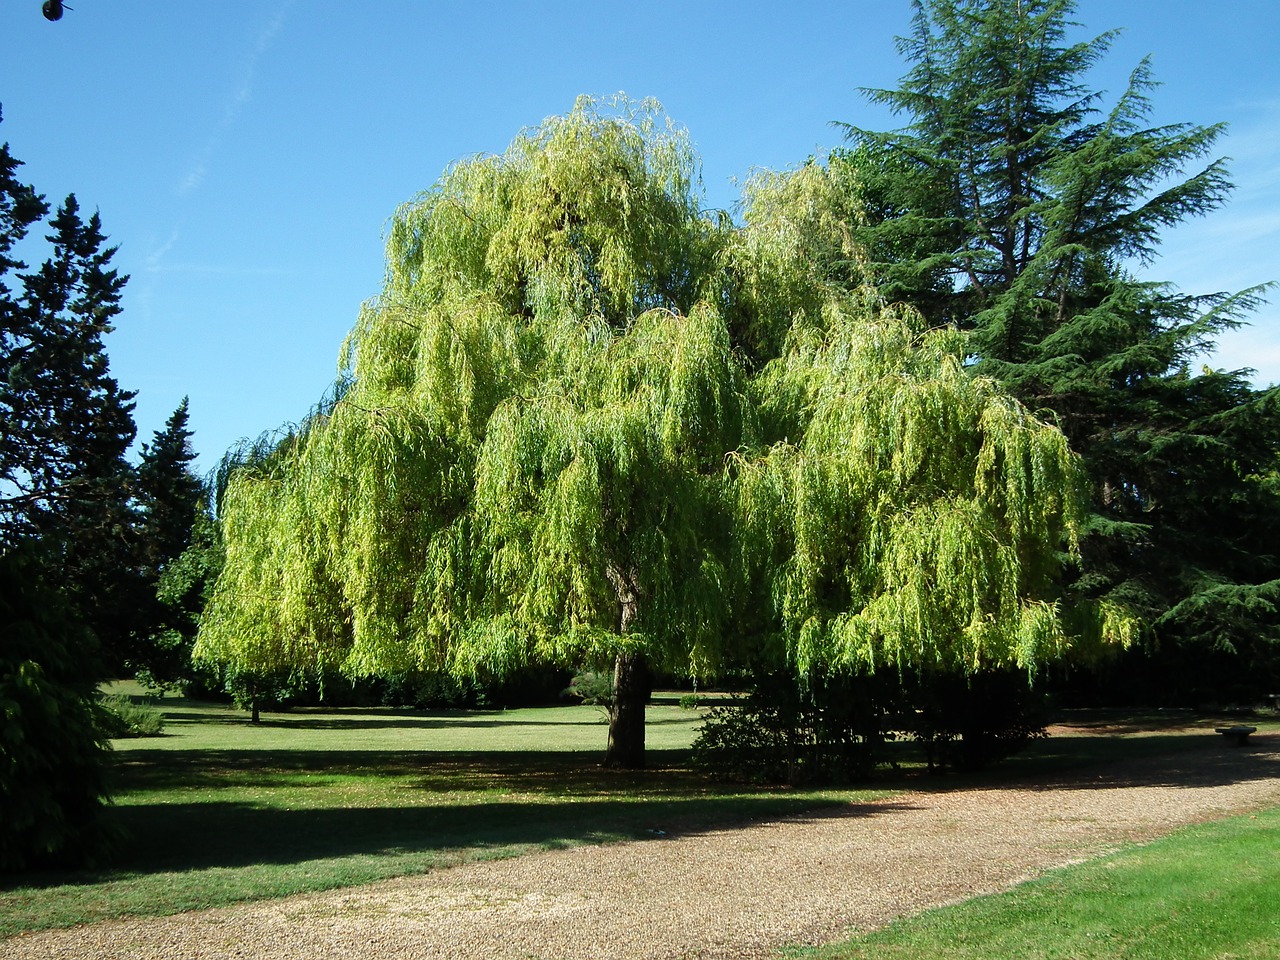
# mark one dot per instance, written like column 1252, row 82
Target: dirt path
column 740, row 893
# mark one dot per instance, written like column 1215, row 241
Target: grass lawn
column 1203, row 893
column 219, row 810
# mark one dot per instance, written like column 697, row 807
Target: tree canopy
column 588, row 420
column 1016, row 205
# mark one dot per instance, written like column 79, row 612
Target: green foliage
column 124, row 718
column 258, row 690
column 914, row 516
column 824, row 730
column 52, row 750
column 1012, row 204
column 182, row 590
column 107, row 531
column 968, row 723
column 745, row 741
column 172, row 518
column 433, row 691
column 594, row 687
column 441, row 690
column 587, row 421
column 67, row 424
column 168, row 492
column 525, row 396
column 838, row 728
column 68, row 590
column 64, row 479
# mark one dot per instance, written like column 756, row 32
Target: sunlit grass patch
column 1204, row 893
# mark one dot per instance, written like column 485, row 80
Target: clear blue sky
column 245, row 155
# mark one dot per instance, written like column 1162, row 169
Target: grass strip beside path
column 1204, row 893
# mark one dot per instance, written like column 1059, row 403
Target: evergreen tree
column 64, row 478
column 52, row 745
column 66, row 525
column 1014, row 206
column 168, row 492
column 169, row 499
column 67, row 424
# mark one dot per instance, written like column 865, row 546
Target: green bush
column 533, row 685
column 591, row 686
column 827, row 730
column 745, row 741
column 968, row 723
column 52, row 751
column 835, row 729
column 123, row 718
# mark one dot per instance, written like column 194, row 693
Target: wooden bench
column 1238, row 734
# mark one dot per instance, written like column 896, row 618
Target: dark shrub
column 828, row 730
column 52, row 749
column 968, row 723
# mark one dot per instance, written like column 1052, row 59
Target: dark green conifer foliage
column 52, row 749
column 168, row 491
column 66, row 423
column 1016, row 205
column 169, row 498
column 67, row 560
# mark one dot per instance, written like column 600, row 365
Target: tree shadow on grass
column 293, row 721
column 1200, row 758
column 558, row 772
column 470, row 720
column 198, row 836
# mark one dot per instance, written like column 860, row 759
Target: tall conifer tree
column 1016, row 205
column 67, row 425
column 169, row 498
column 168, row 492
column 66, row 525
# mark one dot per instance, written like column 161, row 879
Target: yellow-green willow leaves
column 904, row 513
column 586, row 418
column 922, row 512
column 540, row 405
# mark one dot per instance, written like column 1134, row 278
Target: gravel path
column 740, row 893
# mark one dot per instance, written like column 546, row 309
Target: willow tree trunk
column 632, row 686
column 631, row 683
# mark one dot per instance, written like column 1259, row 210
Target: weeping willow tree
column 588, row 421
column 526, row 464
column 897, row 511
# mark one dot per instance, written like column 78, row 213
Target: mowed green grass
column 1204, row 893
column 219, row 810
